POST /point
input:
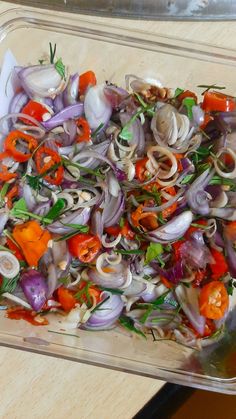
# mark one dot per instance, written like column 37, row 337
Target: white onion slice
column 9, row 264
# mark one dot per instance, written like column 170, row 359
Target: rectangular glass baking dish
column 112, row 52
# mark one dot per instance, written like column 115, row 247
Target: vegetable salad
column 117, row 205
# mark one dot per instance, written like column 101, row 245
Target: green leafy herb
column 52, row 51
column 140, row 99
column 122, row 222
column 56, row 209
column 9, row 284
column 153, row 250
column 33, row 182
column 211, row 86
column 217, row 180
column 81, row 229
column 129, row 324
column 61, row 69
column 130, row 252
column 3, row 191
column 161, row 219
column 189, row 102
column 203, row 227
column 187, row 179
column 145, row 316
column 68, row 163
column 201, row 153
column 93, row 135
column 65, row 280
column 125, row 133
column 178, row 92
column 100, row 304
column 19, row 209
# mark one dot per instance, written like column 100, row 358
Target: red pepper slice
column 85, row 247
column 85, row 131
column 187, row 93
column 12, row 194
column 66, row 298
column 48, row 160
column 220, row 267
column 34, row 109
column 15, row 249
column 5, row 176
column 86, row 80
column 140, row 169
column 218, row 102
column 11, row 142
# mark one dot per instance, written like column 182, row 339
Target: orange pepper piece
column 32, row 240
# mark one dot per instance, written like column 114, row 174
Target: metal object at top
column 144, row 9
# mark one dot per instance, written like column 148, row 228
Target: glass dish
column 143, row 9
column 112, row 52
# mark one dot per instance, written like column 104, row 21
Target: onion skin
column 35, row 288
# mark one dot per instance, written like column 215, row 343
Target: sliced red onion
column 4, row 215
column 52, row 279
column 113, row 209
column 58, row 103
column 167, row 204
column 198, row 115
column 136, row 130
column 116, row 279
column 188, row 300
column 26, row 193
column 173, row 274
column 43, row 208
column 224, row 213
column 61, row 255
column 92, row 157
column 115, row 95
column 41, row 80
column 70, row 128
column 97, row 224
column 195, row 253
column 108, row 314
column 17, row 103
column 78, row 217
column 70, row 94
column 172, row 230
column 97, row 108
column 35, row 288
column 196, row 196
column 72, row 111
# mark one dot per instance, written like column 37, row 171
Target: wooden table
column 38, row 387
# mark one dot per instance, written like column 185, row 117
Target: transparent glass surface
column 144, row 9
column 112, row 52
